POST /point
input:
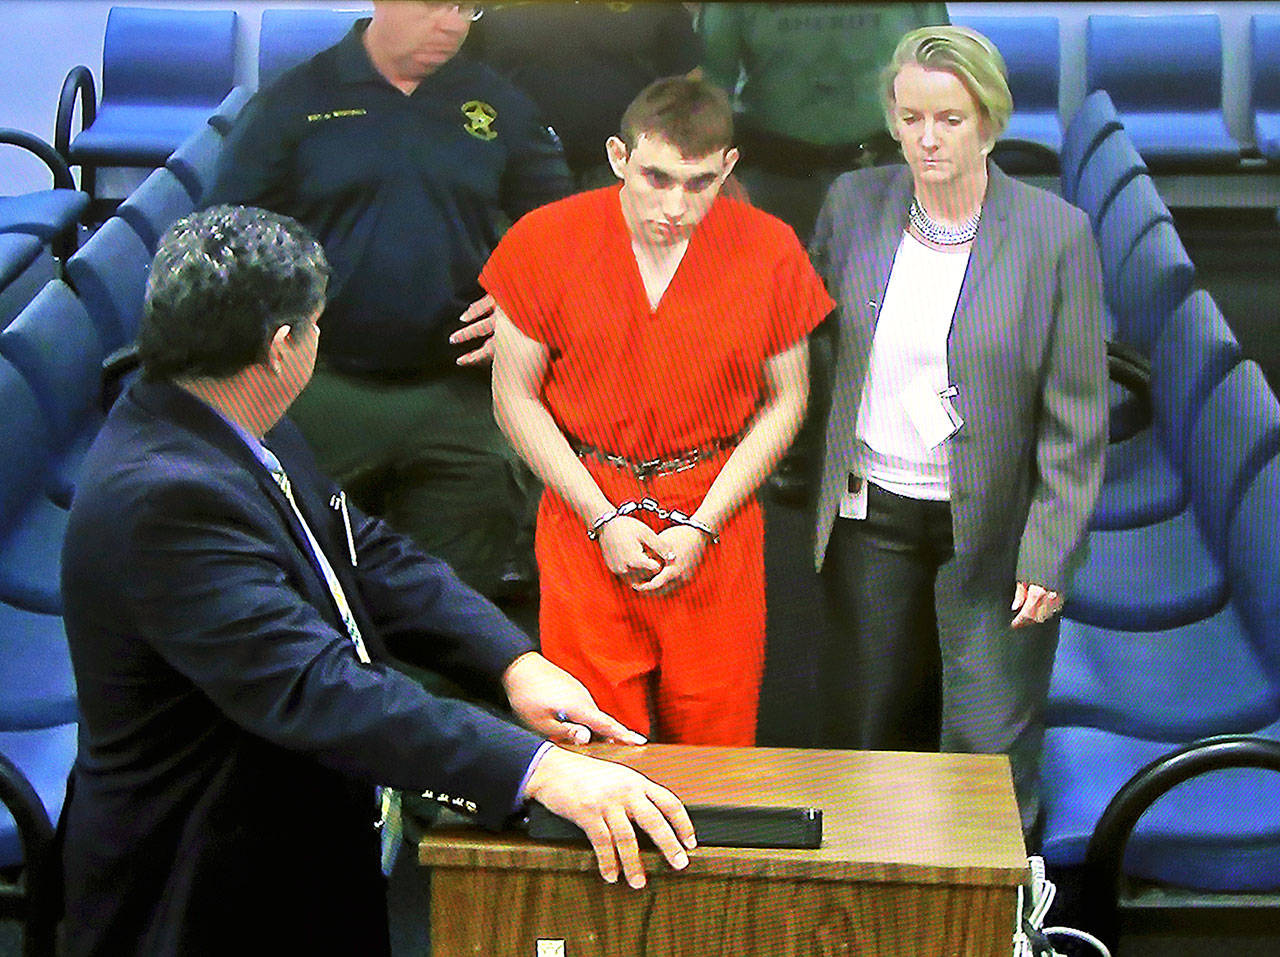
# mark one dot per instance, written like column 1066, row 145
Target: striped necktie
column 390, row 824
column 322, row 563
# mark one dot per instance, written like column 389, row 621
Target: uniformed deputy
column 406, row 160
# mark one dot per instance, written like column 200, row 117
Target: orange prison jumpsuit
column 646, row 383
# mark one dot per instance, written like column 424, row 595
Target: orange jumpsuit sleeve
column 522, row 275
column 800, row 300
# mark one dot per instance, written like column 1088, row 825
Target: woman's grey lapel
column 872, row 244
column 966, row 323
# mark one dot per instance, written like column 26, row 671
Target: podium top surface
column 887, row 816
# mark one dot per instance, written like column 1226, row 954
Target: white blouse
column 907, row 374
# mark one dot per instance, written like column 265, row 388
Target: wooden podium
column 921, row 856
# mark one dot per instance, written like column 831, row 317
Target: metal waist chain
column 646, row 469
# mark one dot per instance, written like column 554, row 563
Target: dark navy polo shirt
column 408, row 194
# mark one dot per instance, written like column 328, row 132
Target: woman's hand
column 1034, row 604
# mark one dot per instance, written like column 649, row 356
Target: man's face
column 664, row 194
column 427, row 34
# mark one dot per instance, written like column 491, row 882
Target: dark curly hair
column 222, row 282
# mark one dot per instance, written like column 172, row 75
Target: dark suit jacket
column 1026, row 352
column 222, row 798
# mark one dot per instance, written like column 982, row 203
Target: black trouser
column 920, row 654
column 882, row 669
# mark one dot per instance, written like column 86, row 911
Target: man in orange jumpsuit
column 651, row 365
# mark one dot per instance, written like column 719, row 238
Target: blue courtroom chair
column 1219, row 831
column 1134, row 209
column 109, row 274
column 55, row 346
column 37, row 684
column 164, row 72
column 52, row 215
column 1144, row 480
column 34, row 767
column 196, row 160
column 24, row 268
column 288, row 37
column 1154, row 279
column 1264, row 32
column 155, row 205
column 1029, row 46
column 1101, row 678
column 1171, row 573
column 1095, row 120
column 31, row 525
column 1164, row 74
column 1111, row 165
column 224, row 117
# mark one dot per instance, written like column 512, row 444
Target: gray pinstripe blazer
column 1026, row 352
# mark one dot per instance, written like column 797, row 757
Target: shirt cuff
column 521, row 797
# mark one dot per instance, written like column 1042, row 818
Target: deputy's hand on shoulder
column 477, row 323
column 632, row 550
column 605, row 800
column 686, row 546
column 557, row 705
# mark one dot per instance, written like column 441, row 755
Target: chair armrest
column 62, row 178
column 1104, row 857
column 1130, row 369
column 20, row 798
column 115, row 368
column 79, row 80
column 1039, row 154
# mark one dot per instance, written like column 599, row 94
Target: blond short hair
column 964, row 53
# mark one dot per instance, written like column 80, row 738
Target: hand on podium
column 555, row 704
column 605, row 800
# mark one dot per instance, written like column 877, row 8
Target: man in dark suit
column 230, row 618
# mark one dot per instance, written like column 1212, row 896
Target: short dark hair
column 222, row 282
column 691, row 114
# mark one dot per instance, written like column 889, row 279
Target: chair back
column 1135, row 209
column 155, row 205
column 109, row 274
column 1264, row 62
column 195, row 162
column 1155, row 63
column 1113, row 162
column 288, row 37
column 55, row 346
column 1253, row 561
column 153, row 55
column 1029, row 46
column 1095, row 119
column 1154, row 280
column 1235, row 434
column 1193, row 353
column 224, row 117
column 24, row 437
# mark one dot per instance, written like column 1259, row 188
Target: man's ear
column 276, row 347
column 730, row 161
column 616, row 151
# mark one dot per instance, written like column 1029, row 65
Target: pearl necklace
column 943, row 234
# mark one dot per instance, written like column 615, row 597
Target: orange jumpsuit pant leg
column 587, row 622
column 710, row 636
